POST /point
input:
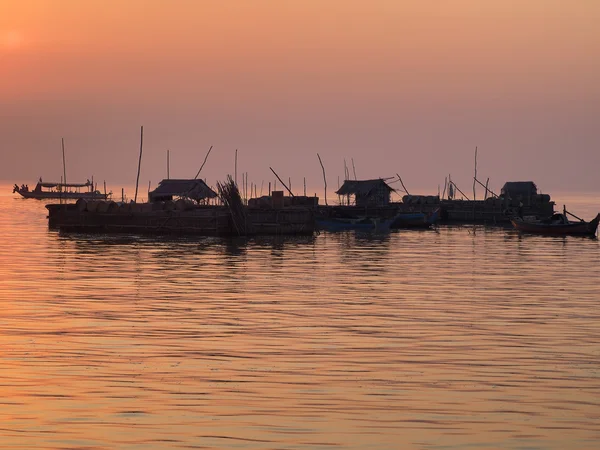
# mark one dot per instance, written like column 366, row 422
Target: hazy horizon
column 398, row 87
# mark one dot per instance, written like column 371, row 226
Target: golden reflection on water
column 463, row 337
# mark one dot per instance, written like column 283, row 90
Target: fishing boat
column 66, row 191
column 558, row 224
column 353, row 223
column 416, row 219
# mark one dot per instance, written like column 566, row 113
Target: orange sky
column 399, row 86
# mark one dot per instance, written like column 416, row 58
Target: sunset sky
column 408, row 87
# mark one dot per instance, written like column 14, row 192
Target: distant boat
column 416, row 219
column 557, row 225
column 66, row 191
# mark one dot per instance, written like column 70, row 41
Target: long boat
column 353, row 223
column 416, row 219
column 557, row 225
column 66, row 191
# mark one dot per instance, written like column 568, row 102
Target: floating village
column 191, row 207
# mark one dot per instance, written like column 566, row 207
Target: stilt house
column 366, row 192
column 195, row 189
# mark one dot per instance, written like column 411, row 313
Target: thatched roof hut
column 195, row 189
column 513, row 189
column 367, row 192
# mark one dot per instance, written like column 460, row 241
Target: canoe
column 557, row 225
column 358, row 223
column 416, row 219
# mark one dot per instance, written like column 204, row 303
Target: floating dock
column 179, row 217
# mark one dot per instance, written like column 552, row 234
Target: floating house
column 366, row 193
column 172, row 189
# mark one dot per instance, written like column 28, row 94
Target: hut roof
column 519, row 187
column 194, row 189
column 362, row 187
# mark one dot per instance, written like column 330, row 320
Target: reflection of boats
column 353, row 223
column 416, row 219
column 74, row 191
column 558, row 224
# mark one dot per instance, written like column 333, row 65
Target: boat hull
column 571, row 229
column 63, row 195
column 361, row 224
column 416, row 220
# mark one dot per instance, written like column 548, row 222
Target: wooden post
column 324, row 179
column 104, row 188
column 305, row 186
column 445, row 183
column 288, row 189
column 205, row 158
column 137, row 181
column 122, row 195
column 269, row 188
column 64, row 163
column 475, row 174
column 403, row 187
column 486, row 187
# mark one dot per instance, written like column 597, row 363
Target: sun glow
column 11, row 39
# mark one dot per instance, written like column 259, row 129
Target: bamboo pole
column 284, row 185
column 324, row 179
column 305, row 186
column 475, row 177
column 205, row 158
column 64, row 161
column 403, row 187
column 485, row 186
column 445, row 184
column 456, row 187
column 137, row 181
column 168, row 177
column 353, row 169
column 235, row 170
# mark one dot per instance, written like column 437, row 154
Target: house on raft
column 366, row 193
column 172, row 189
column 523, row 191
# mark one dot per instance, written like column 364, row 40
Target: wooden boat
column 558, row 225
column 66, row 191
column 416, row 219
column 357, row 223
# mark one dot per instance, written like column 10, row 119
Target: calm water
column 460, row 338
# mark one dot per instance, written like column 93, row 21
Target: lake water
column 456, row 338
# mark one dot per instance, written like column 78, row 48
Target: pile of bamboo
column 230, row 196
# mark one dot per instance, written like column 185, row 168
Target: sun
column 11, row 39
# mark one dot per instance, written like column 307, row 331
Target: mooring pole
column 64, row 163
column 137, row 181
column 324, row 179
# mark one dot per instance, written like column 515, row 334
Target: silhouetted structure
column 366, row 192
column 193, row 189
